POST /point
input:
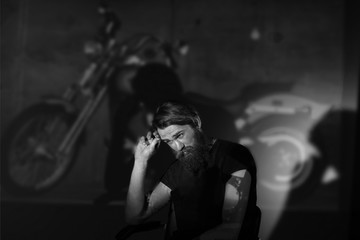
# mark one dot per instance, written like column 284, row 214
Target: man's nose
column 177, row 145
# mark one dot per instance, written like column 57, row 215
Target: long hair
column 176, row 113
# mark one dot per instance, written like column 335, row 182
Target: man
column 211, row 185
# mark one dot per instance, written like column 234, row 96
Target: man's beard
column 194, row 158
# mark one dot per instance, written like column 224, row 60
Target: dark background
column 311, row 44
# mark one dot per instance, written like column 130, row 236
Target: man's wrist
column 140, row 164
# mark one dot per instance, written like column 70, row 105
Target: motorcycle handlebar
column 110, row 26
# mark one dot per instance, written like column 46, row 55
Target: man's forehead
column 170, row 131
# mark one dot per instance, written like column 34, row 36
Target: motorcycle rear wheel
column 30, row 161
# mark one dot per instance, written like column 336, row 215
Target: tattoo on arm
column 236, row 196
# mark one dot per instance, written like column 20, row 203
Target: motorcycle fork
column 81, row 122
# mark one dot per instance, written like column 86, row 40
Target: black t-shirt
column 198, row 200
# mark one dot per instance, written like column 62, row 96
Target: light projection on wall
column 277, row 128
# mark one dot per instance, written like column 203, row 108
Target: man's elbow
column 133, row 219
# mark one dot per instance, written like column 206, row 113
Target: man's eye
column 180, row 135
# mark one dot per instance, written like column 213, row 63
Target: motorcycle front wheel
column 30, row 162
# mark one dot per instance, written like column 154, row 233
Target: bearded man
column 211, row 186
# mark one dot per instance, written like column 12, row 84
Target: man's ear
column 197, row 122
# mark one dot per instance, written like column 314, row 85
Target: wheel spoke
column 32, row 161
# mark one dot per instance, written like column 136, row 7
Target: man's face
column 187, row 144
column 178, row 137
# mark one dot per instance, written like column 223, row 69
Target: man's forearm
column 135, row 209
column 135, row 201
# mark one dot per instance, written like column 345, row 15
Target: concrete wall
column 299, row 41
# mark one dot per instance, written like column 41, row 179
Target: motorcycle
column 41, row 144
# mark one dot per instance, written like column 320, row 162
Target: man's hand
column 146, row 147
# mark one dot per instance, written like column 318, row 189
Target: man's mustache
column 186, row 151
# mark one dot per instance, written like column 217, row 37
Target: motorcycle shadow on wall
column 316, row 204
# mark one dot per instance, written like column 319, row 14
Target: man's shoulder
column 235, row 154
column 171, row 176
column 231, row 148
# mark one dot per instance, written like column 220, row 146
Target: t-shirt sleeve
column 170, row 177
column 239, row 158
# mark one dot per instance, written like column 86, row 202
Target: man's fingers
column 149, row 135
column 149, row 141
column 154, row 142
column 148, row 138
column 143, row 141
column 156, row 134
